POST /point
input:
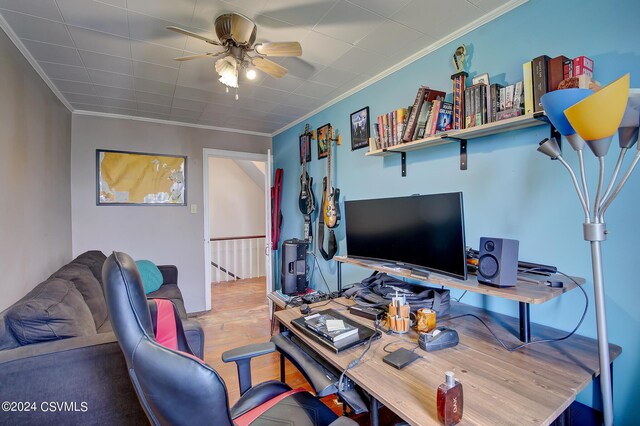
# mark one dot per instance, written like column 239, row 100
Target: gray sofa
column 59, row 359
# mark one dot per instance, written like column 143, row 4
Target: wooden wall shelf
column 510, row 124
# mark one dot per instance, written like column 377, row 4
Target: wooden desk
column 524, row 292
column 528, row 387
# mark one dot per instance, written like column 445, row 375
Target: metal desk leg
column 339, row 277
column 525, row 323
column 373, row 415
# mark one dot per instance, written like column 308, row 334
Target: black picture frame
column 176, row 194
column 359, row 123
column 323, row 133
column 305, row 141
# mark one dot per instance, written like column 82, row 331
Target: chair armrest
column 248, row 352
column 242, row 357
column 169, row 274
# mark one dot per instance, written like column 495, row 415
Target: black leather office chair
column 175, row 387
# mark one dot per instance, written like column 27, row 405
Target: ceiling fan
column 237, row 34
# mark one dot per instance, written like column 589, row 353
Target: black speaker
column 498, row 262
column 293, row 276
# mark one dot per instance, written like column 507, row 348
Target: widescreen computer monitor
column 423, row 232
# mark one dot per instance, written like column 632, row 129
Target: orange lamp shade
column 599, row 115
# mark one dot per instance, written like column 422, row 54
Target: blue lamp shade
column 554, row 104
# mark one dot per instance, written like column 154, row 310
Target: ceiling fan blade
column 285, row 48
column 241, row 28
column 194, row 35
column 202, row 55
column 270, row 67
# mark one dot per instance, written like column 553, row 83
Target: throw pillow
column 150, row 275
column 55, row 310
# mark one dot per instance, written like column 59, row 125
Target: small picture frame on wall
column 323, row 134
column 305, row 148
column 360, row 129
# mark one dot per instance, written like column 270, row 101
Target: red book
column 555, row 72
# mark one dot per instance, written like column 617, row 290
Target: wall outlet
column 194, row 208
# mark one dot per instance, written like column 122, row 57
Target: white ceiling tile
column 153, row 98
column 356, row 60
column 148, row 114
column 65, row 72
column 99, row 61
column 250, row 7
column 411, row 47
column 452, row 15
column 199, row 74
column 386, row 39
column 299, row 67
column 117, row 3
column 151, row 86
column 46, row 9
column 333, row 77
column 77, row 98
column 193, row 93
column 488, row 5
column 177, row 11
column 74, row 87
column 114, row 92
column 270, row 29
column 147, row 28
column 185, row 113
column 158, row 109
column 314, row 90
column 304, row 14
column 111, row 79
column 348, row 22
column 95, row 16
column 322, row 49
column 32, row 28
column 288, row 83
column 98, row 42
column 155, row 72
column 156, row 54
column 118, row 103
column 188, row 104
column 385, row 8
column 53, row 53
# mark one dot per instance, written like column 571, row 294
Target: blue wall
column 510, row 190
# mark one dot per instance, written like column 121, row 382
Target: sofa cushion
column 56, row 310
column 94, row 259
column 150, row 275
column 171, row 292
column 88, row 286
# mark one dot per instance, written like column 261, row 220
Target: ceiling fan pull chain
column 236, row 93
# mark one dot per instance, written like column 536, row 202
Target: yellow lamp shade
column 599, row 115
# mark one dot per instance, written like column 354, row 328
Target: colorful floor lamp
column 595, row 118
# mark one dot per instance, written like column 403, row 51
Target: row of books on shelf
column 482, row 102
column 544, row 74
column 429, row 115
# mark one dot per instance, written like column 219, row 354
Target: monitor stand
column 415, row 272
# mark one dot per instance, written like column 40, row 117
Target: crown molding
column 484, row 19
column 169, row 122
column 27, row 55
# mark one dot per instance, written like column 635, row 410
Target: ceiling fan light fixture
column 227, row 69
column 251, row 74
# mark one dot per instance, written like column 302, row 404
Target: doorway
column 237, row 217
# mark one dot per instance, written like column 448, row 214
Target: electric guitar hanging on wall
column 306, row 200
column 331, row 195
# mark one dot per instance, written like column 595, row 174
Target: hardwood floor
column 240, row 316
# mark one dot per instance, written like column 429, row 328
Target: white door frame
column 235, row 155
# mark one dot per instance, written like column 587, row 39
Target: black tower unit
column 293, row 277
